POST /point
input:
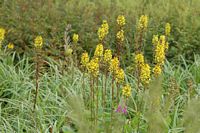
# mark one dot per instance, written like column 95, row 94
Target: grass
column 61, row 107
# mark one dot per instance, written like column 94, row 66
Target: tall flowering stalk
column 102, row 33
column 38, row 43
column 107, row 57
column 98, row 54
column 93, row 69
column 139, row 58
column 121, row 21
column 84, row 61
column 75, row 39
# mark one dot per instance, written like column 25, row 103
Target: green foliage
column 24, row 19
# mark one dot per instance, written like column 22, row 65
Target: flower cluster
column 145, row 74
column 84, row 59
column 160, row 48
column 114, row 64
column 157, row 70
column 121, row 21
column 167, row 29
column 143, row 22
column 99, row 50
column 126, row 90
column 2, row 34
column 75, row 38
column 155, row 40
column 38, row 42
column 120, row 35
column 107, row 56
column 103, row 30
column 119, row 75
column 10, row 46
column 121, row 109
column 139, row 59
column 93, row 67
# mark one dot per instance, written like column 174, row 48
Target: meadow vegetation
column 91, row 66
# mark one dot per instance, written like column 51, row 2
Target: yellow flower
column 107, row 55
column 103, row 30
column 121, row 21
column 84, row 59
column 145, row 74
column 160, row 54
column 120, row 35
column 105, row 26
column 143, row 22
column 2, row 34
column 139, row 59
column 162, row 39
column 155, row 40
column 99, row 50
column 68, row 52
column 93, row 67
column 75, row 38
column 157, row 70
column 119, row 75
column 114, row 64
column 126, row 90
column 10, row 46
column 167, row 29
column 38, row 42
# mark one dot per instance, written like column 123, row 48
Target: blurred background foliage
column 25, row 19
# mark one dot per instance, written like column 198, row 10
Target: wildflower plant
column 38, row 43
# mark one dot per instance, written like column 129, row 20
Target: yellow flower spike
column 103, row 30
column 101, row 33
column 99, row 50
column 84, row 59
column 107, row 56
column 157, row 70
column 126, row 90
column 160, row 54
column 2, row 34
column 119, row 75
column 139, row 59
column 93, row 67
column 114, row 64
column 10, row 46
column 155, row 40
column 121, row 21
column 105, row 26
column 162, row 39
column 167, row 29
column 120, row 35
column 143, row 22
column 38, row 42
column 145, row 74
column 75, row 38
